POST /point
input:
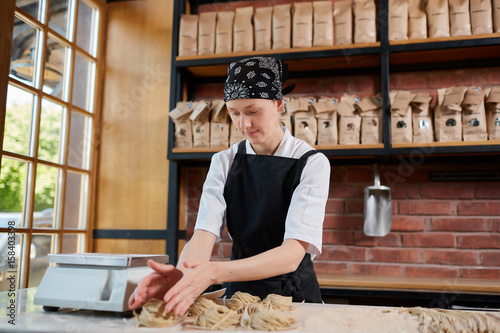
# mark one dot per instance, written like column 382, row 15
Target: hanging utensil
column 378, row 213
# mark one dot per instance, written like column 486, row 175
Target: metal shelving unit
column 428, row 54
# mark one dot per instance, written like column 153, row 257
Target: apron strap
column 242, row 148
column 302, row 163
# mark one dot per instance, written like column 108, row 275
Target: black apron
column 258, row 193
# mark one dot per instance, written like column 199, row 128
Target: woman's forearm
column 280, row 260
column 200, row 245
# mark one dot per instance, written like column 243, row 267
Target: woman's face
column 258, row 120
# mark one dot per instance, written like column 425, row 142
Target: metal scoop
column 378, row 213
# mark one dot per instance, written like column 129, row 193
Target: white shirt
column 305, row 216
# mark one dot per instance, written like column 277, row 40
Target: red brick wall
column 439, row 229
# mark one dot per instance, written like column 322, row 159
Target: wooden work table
column 314, row 318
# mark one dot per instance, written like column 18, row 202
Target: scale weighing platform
column 93, row 281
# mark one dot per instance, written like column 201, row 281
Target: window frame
column 10, row 10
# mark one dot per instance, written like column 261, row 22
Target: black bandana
column 258, row 77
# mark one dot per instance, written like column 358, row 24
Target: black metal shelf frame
column 180, row 75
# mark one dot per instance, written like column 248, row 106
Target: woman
column 270, row 190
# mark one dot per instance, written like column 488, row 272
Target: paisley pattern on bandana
column 236, row 91
column 257, row 77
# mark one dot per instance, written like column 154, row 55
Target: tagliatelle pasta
column 279, row 302
column 270, row 320
column 452, row 321
column 255, row 307
column 218, row 317
column 152, row 315
column 268, row 315
column 240, row 299
column 200, row 304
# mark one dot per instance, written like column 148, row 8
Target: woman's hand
column 154, row 285
column 199, row 276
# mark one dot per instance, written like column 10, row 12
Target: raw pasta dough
column 453, row 321
column 240, row 300
column 270, row 320
column 218, row 317
column 152, row 315
column 279, row 302
column 200, row 304
column 266, row 315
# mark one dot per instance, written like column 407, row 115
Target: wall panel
column 133, row 168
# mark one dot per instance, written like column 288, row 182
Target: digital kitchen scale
column 92, row 281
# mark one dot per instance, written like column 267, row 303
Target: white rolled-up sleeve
column 306, row 214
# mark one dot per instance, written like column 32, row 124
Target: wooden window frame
column 9, row 11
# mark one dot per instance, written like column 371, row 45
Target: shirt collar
column 281, row 148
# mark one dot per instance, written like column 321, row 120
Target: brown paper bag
column 286, row 121
column 364, row 21
column 262, row 22
column 206, row 33
column 200, row 120
column 325, row 105
column 219, row 110
column 219, row 134
column 349, row 122
column 201, row 133
column 401, row 117
column 200, row 111
column 342, row 20
column 474, row 115
column 370, row 109
column 496, row 15
column 327, row 129
column 371, row 127
column 437, row 113
column 398, row 20
column 243, row 29
column 296, row 105
column 188, row 35
column 438, row 18
column 182, row 110
column 417, row 19
column 493, row 113
column 423, row 130
column 459, row 17
column 448, row 117
column 219, row 125
column 481, row 17
column 326, row 114
column 235, row 135
column 302, row 29
column 323, row 23
column 282, row 26
column 224, row 32
column 305, row 126
column 183, row 136
column 453, row 98
column 285, row 118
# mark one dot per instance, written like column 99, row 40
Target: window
column 47, row 155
